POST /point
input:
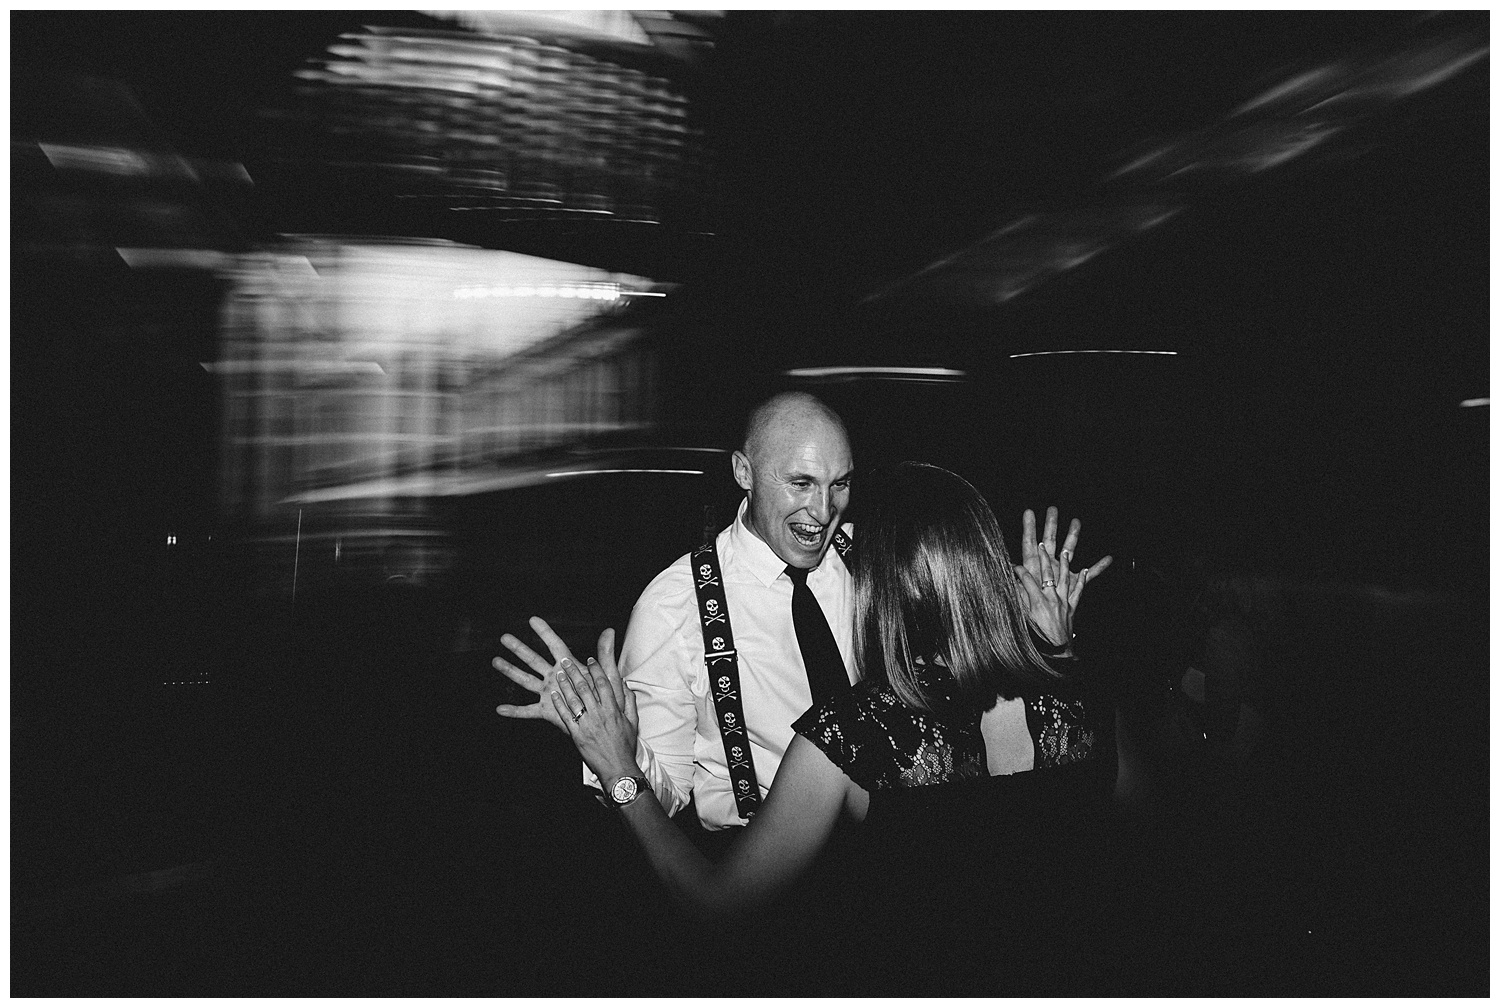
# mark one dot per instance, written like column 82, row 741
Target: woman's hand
column 592, row 705
column 1052, row 589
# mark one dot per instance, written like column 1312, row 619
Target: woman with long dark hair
column 953, row 691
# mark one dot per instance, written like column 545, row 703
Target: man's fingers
column 531, row 711
column 538, row 664
column 567, row 698
column 1099, row 567
column 630, row 712
column 581, row 681
column 560, row 709
column 1049, row 531
column 605, row 649
column 516, row 676
column 1028, row 538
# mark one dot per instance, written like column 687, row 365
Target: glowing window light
column 1482, row 401
column 600, row 472
column 1049, row 353
column 171, row 540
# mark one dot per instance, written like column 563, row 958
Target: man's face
column 799, row 485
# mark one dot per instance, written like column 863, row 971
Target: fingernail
column 592, row 662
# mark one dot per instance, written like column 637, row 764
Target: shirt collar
column 751, row 551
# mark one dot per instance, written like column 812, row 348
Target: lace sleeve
column 840, row 728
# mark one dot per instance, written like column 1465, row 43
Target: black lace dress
column 961, row 883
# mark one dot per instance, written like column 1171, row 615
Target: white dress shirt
column 680, row 748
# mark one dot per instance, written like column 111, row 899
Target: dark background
column 1328, row 317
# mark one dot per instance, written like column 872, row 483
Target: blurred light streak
column 129, row 161
column 1484, row 401
column 1300, row 84
column 602, row 472
column 1302, row 113
column 309, row 367
column 172, row 258
column 1049, row 353
column 882, row 372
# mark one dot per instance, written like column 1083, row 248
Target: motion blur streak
column 879, row 372
column 356, row 383
column 517, row 120
column 1306, row 111
column 605, row 472
column 1050, row 353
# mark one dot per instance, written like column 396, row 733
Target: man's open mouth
column 810, row 536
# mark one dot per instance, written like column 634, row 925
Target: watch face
column 624, row 790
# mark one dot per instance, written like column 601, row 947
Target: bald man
column 795, row 466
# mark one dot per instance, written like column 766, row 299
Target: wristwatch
column 625, row 791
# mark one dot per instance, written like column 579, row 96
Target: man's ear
column 742, row 473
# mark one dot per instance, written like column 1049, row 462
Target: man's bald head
column 789, row 415
column 795, row 466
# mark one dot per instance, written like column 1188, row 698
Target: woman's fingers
column 1028, row 539
column 1049, row 531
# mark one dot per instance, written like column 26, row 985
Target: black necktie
column 820, row 655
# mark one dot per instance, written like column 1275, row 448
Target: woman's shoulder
column 863, row 703
column 881, row 743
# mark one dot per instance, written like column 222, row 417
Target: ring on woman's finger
column 581, row 712
column 1049, row 583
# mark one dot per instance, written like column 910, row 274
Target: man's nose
column 821, row 505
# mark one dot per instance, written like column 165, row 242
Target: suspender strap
column 724, row 677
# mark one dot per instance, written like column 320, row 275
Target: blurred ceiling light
column 1483, row 401
column 601, row 472
column 946, row 374
column 1050, row 353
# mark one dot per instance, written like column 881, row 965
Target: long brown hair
column 933, row 578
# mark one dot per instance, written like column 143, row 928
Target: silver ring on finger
column 1049, row 583
column 581, row 712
